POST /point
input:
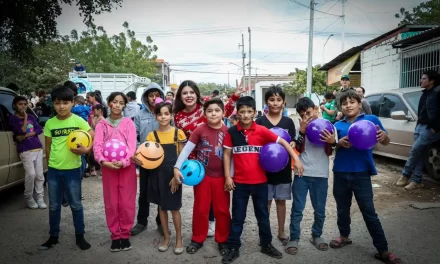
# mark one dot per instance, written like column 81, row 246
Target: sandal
column 319, row 243
column 284, row 240
column 340, row 242
column 292, row 247
column 193, row 247
column 389, row 259
column 223, row 248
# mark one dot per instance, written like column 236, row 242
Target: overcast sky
column 207, row 31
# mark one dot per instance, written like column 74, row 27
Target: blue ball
column 193, row 172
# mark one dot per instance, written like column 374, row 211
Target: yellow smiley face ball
column 79, row 137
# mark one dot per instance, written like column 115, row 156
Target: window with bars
column 416, row 60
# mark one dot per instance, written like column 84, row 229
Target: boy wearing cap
column 345, row 86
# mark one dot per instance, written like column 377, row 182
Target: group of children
column 217, row 148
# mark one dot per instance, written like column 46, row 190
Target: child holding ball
column 354, row 177
column 118, row 177
column 163, row 189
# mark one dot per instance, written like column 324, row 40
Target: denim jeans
column 240, row 199
column 82, row 170
column 318, row 195
column 69, row 182
column 423, row 138
column 346, row 184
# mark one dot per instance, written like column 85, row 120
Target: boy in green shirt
column 329, row 108
column 64, row 173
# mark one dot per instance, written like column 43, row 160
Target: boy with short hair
column 315, row 159
column 329, row 110
column 245, row 141
column 64, row 173
column 352, row 169
column 279, row 183
column 81, row 109
column 233, row 120
column 207, row 139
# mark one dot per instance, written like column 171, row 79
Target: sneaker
column 211, row 229
column 125, row 244
column 232, row 255
column 403, row 181
column 271, row 251
column 31, row 203
column 116, row 245
column 41, row 204
column 413, row 185
column 137, row 229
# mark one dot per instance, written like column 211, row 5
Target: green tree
column 24, row 23
column 121, row 53
column 299, row 87
column 207, row 88
column 426, row 13
column 99, row 52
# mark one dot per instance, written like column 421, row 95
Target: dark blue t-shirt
column 79, row 69
column 353, row 159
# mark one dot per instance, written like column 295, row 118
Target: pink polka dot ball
column 115, row 150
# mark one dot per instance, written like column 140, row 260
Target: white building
column 374, row 65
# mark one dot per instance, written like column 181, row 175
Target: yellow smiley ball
column 78, row 137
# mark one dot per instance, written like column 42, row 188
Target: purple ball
column 281, row 133
column 273, row 157
column 363, row 135
column 315, row 129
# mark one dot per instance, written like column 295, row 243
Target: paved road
column 413, row 234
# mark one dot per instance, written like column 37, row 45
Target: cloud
column 203, row 31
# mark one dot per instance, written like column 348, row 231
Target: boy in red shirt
column 245, row 141
column 207, row 139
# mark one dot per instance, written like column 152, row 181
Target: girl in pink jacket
column 118, row 177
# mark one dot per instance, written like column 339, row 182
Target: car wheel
column 432, row 163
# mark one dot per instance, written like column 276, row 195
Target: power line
column 222, row 28
column 208, row 72
column 316, row 10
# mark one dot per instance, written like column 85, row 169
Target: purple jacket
column 29, row 143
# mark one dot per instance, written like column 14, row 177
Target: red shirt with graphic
column 209, row 148
column 189, row 121
column 247, row 168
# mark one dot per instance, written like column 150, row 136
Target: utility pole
column 244, row 57
column 228, row 81
column 310, row 60
column 343, row 26
column 250, row 82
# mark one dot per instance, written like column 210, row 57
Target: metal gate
column 417, row 59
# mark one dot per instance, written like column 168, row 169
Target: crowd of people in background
column 179, row 124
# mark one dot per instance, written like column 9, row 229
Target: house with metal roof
column 376, row 64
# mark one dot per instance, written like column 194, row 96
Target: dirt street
column 412, row 234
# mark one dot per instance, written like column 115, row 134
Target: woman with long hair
column 188, row 115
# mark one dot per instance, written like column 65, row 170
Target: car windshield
column 413, row 100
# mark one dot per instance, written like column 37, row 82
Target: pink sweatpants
column 119, row 187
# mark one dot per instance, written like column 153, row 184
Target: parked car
column 11, row 167
column 397, row 110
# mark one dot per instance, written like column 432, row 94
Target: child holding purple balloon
column 316, row 137
column 118, row 174
column 279, row 183
column 245, row 141
column 352, row 169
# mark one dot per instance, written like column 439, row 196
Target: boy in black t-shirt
column 279, row 183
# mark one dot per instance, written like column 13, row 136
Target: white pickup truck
column 112, row 82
